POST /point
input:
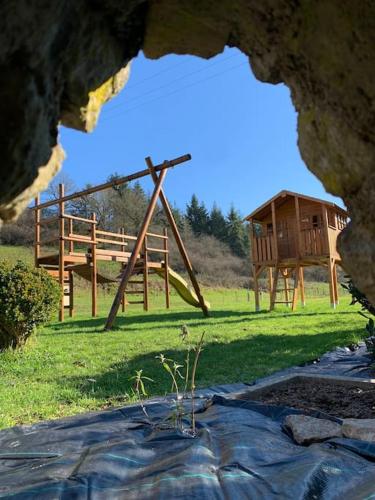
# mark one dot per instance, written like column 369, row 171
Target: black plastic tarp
column 241, row 451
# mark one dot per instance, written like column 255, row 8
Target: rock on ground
column 307, row 430
column 359, row 428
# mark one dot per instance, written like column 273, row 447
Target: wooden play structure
column 69, row 252
column 289, row 232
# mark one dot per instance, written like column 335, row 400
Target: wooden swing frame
column 157, row 173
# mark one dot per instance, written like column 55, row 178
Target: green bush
column 28, row 298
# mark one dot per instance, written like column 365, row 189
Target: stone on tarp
column 307, row 430
column 359, row 428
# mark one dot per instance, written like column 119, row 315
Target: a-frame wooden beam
column 177, row 236
column 136, row 250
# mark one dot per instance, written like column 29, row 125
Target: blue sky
column 241, row 133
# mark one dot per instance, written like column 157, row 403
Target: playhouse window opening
column 341, row 221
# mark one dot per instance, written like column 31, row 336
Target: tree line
column 217, row 242
column 125, row 205
column 229, row 229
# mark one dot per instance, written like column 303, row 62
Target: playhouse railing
column 263, row 248
column 313, row 242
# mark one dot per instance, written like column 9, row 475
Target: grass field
column 75, row 367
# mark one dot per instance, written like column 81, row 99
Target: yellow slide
column 182, row 288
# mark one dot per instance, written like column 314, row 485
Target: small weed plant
column 183, row 385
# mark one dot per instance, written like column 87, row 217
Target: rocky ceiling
column 60, row 61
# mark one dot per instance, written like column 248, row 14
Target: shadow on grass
column 220, row 363
column 130, row 323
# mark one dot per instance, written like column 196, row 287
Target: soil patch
column 334, row 399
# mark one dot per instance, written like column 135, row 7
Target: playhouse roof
column 281, row 197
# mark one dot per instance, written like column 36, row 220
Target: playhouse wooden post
column 336, row 292
column 178, row 238
column 61, row 251
column 270, row 282
column 166, row 271
column 331, row 283
column 256, row 288
column 286, row 286
column 295, row 287
column 298, row 223
column 274, row 289
column 94, row 275
column 137, row 248
column 302, row 286
column 274, row 233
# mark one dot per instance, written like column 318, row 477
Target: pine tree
column 197, row 216
column 218, row 224
column 237, row 235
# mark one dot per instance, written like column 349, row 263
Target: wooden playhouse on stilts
column 289, row 232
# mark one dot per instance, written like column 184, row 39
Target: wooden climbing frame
column 134, row 262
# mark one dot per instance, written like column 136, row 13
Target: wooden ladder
column 143, row 290
column 281, row 272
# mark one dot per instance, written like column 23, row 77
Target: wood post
column 331, row 283
column 94, row 275
column 256, row 288
column 123, row 249
column 270, row 283
column 61, row 251
column 326, row 241
column 37, row 232
column 137, row 248
column 274, row 290
column 286, row 286
column 71, row 294
column 274, row 232
column 120, row 180
column 302, row 286
column 178, row 238
column 298, row 221
column 145, row 274
column 166, row 271
column 336, row 292
column 295, row 287
column 70, row 231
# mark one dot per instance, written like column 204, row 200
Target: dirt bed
column 336, row 400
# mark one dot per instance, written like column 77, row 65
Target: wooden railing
column 94, row 236
column 313, row 242
column 263, row 248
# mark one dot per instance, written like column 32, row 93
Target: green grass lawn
column 74, row 367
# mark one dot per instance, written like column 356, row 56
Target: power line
column 175, row 91
column 204, row 68
column 132, row 85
